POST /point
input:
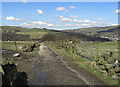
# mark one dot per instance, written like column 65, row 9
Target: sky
column 60, row 0
column 59, row 15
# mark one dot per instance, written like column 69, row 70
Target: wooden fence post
column 96, row 52
column 75, row 50
column 67, row 46
column 71, row 49
column 15, row 45
column 61, row 43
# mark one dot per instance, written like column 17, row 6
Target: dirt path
column 48, row 68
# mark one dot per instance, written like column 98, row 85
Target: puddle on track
column 41, row 75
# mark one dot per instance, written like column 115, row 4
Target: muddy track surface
column 49, row 68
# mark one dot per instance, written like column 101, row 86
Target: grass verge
column 85, row 64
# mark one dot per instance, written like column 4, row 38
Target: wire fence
column 89, row 52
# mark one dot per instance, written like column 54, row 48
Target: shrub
column 29, row 47
column 17, row 30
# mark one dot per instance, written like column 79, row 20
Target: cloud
column 11, row 18
column 40, row 12
column 68, row 25
column 81, row 21
column 10, row 25
column 115, row 24
column 72, row 7
column 93, row 22
column 24, row 1
column 100, row 18
column 34, row 24
column 117, row 11
column 86, row 21
column 50, row 25
column 37, row 24
column 85, row 25
column 47, row 21
column 78, row 25
column 73, row 16
column 75, row 20
column 58, row 25
column 25, row 24
column 101, row 24
column 66, row 20
column 61, row 16
column 61, row 9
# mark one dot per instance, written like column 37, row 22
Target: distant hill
column 110, row 32
column 36, row 33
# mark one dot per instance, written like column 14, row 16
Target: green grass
column 107, row 47
column 34, row 35
column 94, row 31
column 81, row 62
column 33, row 32
column 11, row 46
column 12, row 28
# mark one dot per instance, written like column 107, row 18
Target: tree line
column 71, row 36
column 13, row 36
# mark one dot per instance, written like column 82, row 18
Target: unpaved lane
column 48, row 68
column 55, row 70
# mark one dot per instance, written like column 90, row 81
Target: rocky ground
column 49, row 68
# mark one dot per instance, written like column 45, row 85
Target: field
column 106, row 47
column 34, row 35
column 11, row 46
column 99, row 31
column 34, row 32
column 53, row 40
